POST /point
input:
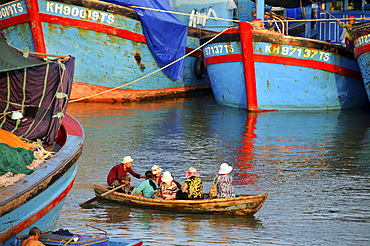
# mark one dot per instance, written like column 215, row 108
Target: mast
column 260, row 7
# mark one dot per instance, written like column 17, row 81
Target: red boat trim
column 103, row 29
column 72, row 126
column 360, row 50
column 35, row 217
column 36, row 26
column 19, row 19
column 310, row 64
column 248, row 65
column 222, row 59
column 35, row 19
column 286, row 61
column 93, row 27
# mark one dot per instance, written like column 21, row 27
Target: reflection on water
column 314, row 165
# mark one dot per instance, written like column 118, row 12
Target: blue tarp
column 165, row 35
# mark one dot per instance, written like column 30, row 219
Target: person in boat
column 225, row 189
column 168, row 188
column 119, row 175
column 33, row 238
column 193, row 186
column 268, row 23
column 347, row 28
column 147, row 187
column 157, row 176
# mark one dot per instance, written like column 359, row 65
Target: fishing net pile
column 15, row 160
column 34, row 93
column 19, row 158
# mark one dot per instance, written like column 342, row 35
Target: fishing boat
column 63, row 237
column 240, row 205
column 40, row 143
column 256, row 69
column 361, row 39
column 122, row 53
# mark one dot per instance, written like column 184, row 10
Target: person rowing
column 119, row 175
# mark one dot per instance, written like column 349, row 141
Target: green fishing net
column 15, row 160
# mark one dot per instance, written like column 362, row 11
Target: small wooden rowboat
column 240, row 205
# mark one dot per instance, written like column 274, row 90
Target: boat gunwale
column 58, row 165
column 194, row 201
column 360, row 29
column 123, row 11
column 280, row 39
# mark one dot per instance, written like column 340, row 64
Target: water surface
column 314, row 165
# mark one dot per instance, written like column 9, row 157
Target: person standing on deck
column 118, row 175
column 347, row 28
column 33, row 238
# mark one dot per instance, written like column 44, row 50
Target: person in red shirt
column 119, row 175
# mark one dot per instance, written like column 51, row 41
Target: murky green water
column 315, row 165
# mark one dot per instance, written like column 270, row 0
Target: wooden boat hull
column 361, row 39
column 241, row 205
column 112, row 55
column 38, row 200
column 260, row 71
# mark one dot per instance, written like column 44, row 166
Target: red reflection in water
column 246, row 153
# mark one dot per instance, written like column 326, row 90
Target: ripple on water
column 314, row 165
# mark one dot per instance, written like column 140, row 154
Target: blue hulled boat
column 260, row 70
column 361, row 39
column 33, row 101
column 122, row 53
column 257, row 69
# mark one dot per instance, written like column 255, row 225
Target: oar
column 100, row 196
column 70, row 240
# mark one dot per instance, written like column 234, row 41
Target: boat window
column 336, row 5
column 354, row 5
column 367, row 5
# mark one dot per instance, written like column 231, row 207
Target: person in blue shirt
column 147, row 187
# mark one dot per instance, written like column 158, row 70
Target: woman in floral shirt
column 225, row 189
column 193, row 187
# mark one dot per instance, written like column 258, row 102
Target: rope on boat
column 280, row 18
column 106, row 233
column 156, row 71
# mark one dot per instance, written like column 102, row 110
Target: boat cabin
column 330, row 10
column 301, row 18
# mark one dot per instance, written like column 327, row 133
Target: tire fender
column 199, row 68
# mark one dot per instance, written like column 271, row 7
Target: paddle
column 100, row 196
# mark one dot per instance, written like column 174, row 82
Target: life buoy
column 199, row 68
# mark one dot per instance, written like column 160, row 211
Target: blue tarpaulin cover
column 165, row 35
